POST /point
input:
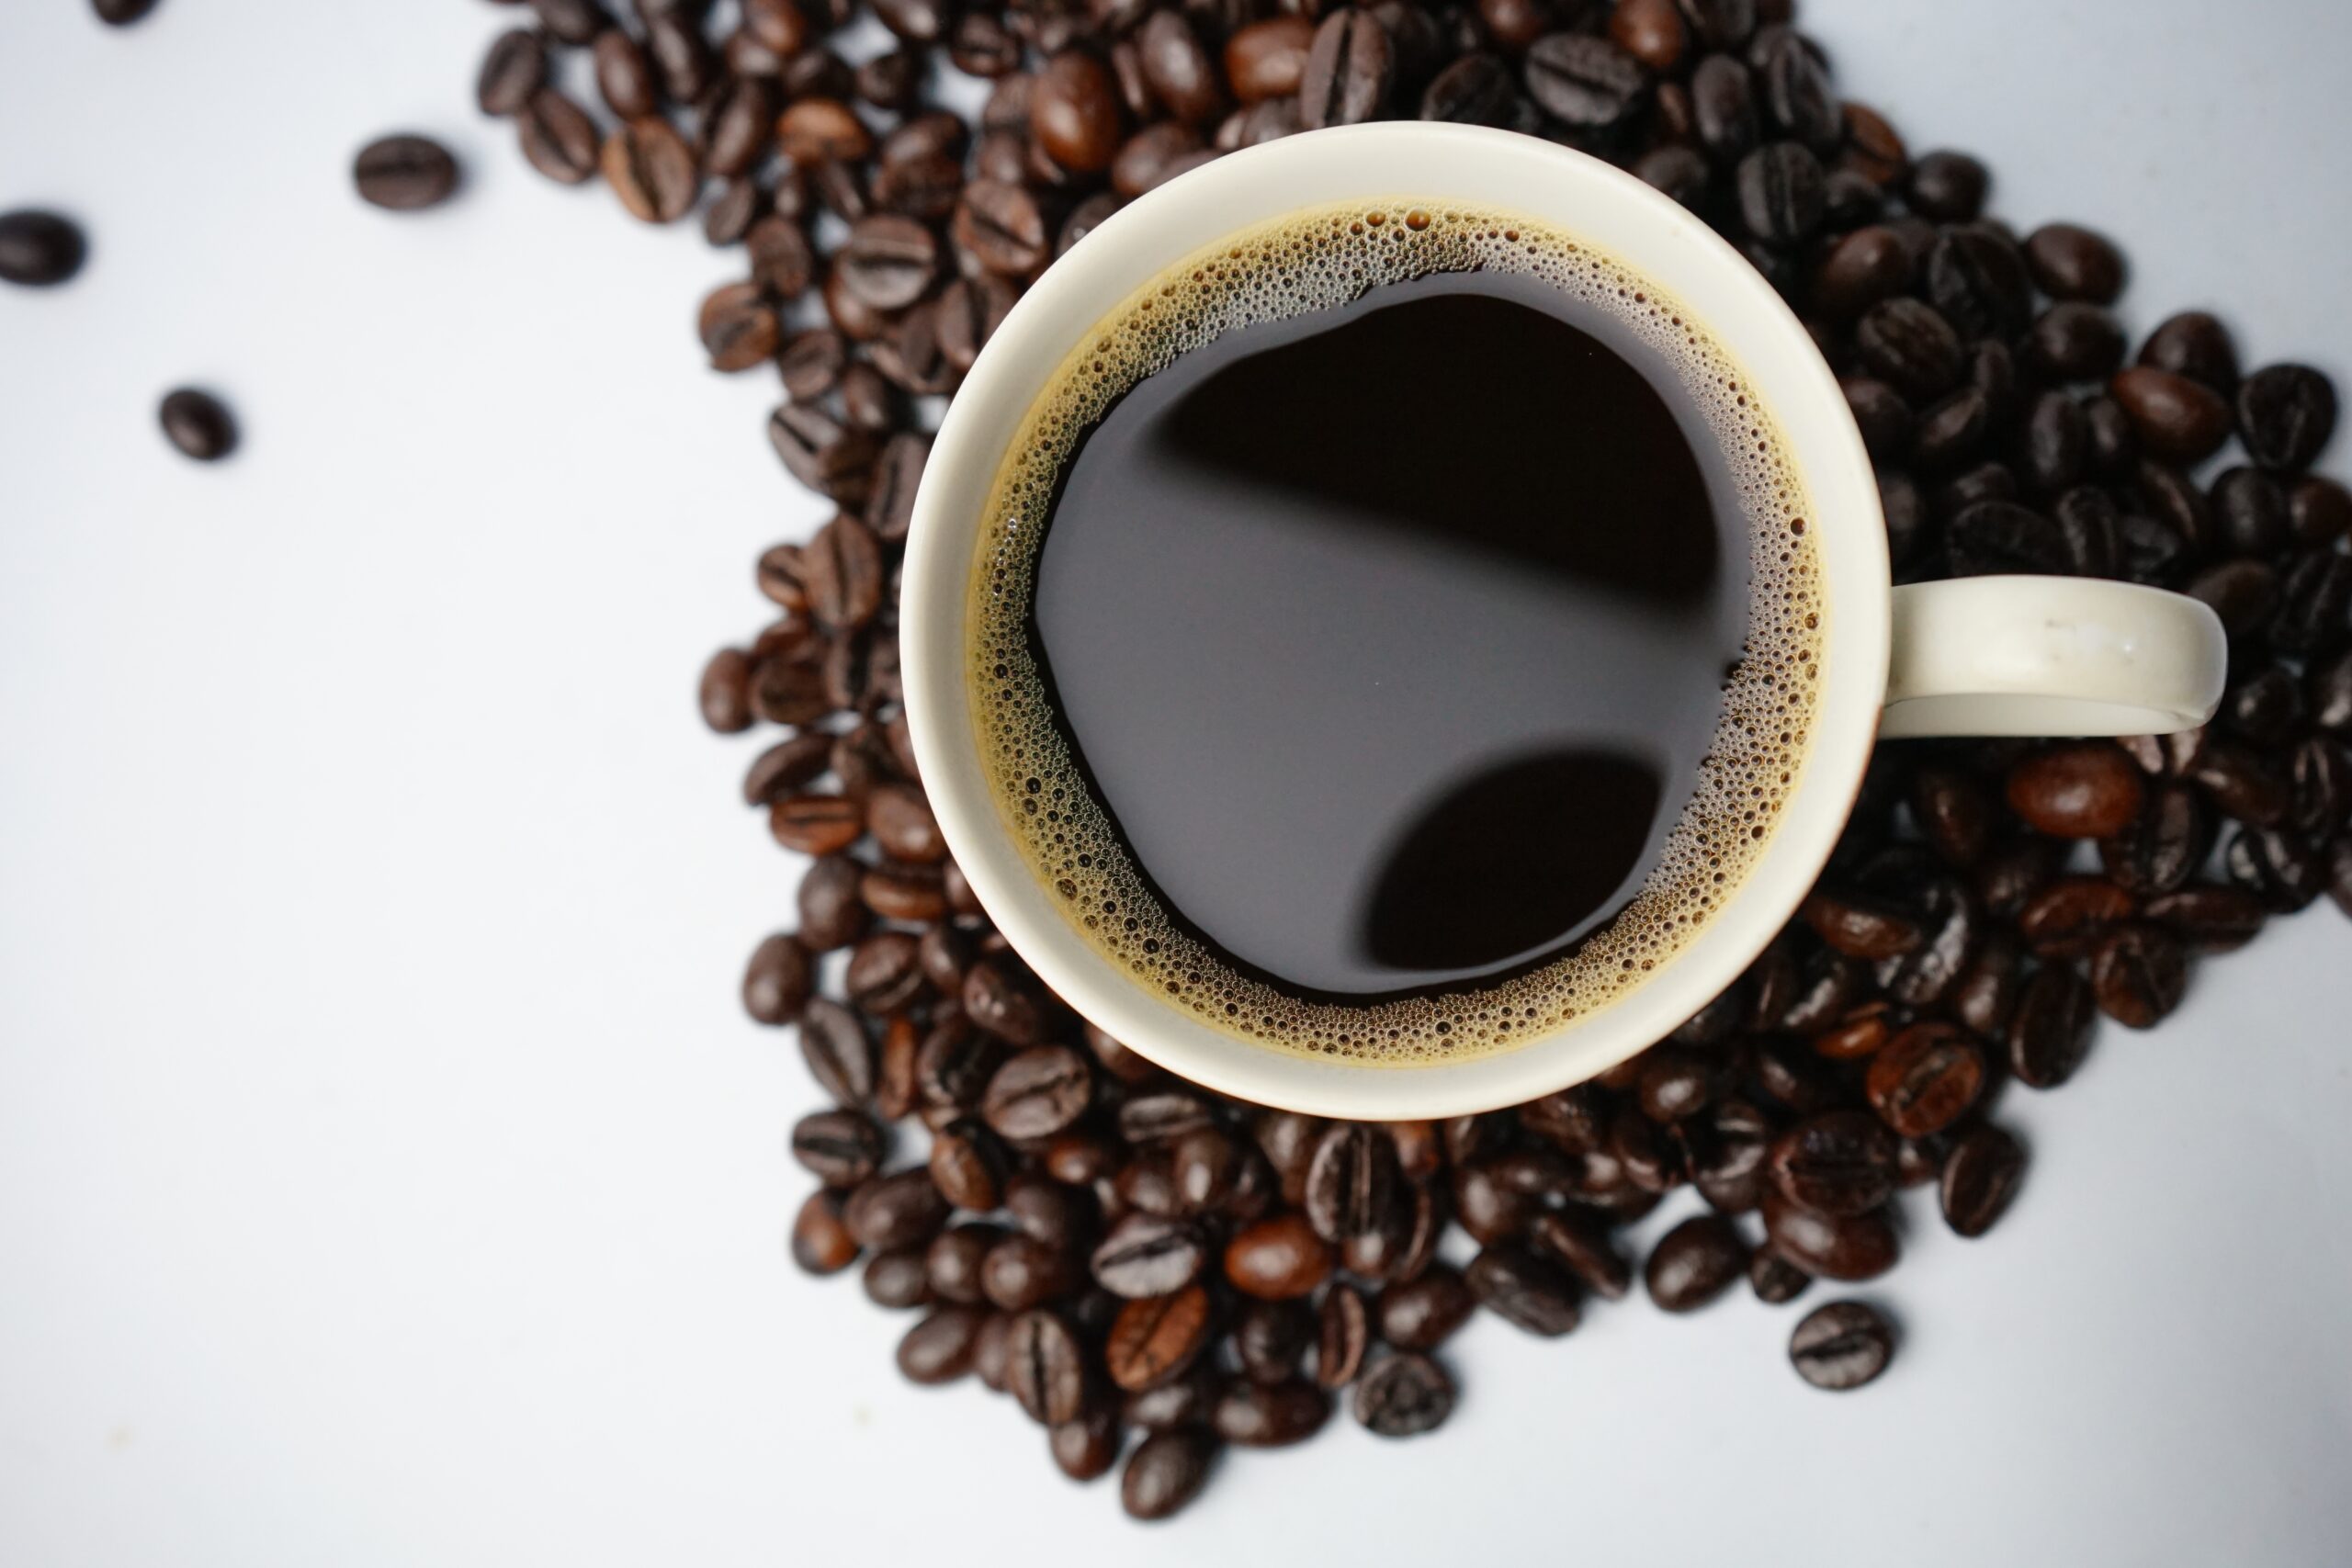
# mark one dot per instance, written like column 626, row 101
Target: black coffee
column 1377, row 654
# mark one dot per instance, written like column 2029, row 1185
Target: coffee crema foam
column 1316, row 261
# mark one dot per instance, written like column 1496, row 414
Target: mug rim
column 1591, row 201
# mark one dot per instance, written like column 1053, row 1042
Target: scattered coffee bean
column 200, row 425
column 404, row 174
column 1980, row 1176
column 1693, row 1263
column 1841, row 1346
column 40, row 250
column 1166, row 1470
column 1404, row 1395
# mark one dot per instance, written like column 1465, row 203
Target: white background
column 387, row 1173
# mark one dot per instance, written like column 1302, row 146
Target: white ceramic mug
column 1984, row 656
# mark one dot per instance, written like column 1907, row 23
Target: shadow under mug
column 1976, row 656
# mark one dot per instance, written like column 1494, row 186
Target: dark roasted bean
column 1857, row 1247
column 1693, row 1263
column 1277, row 1258
column 1404, row 1395
column 1347, row 72
column 2285, row 415
column 1980, row 1176
column 1841, row 1346
column 841, row 1147
column 2074, row 263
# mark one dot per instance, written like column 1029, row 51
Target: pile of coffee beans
column 1154, row 1272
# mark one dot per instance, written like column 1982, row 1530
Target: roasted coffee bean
column 1270, row 1339
column 939, row 1348
column 886, row 1211
column 2072, row 341
column 1774, row 1278
column 199, row 424
column 1347, row 72
column 1693, row 1262
column 2319, row 511
column 2163, row 849
column 1277, row 1258
column 1523, row 1290
column 821, row 1244
column 1267, row 59
column 1476, row 89
column 1168, row 1468
column 121, row 13
column 832, row 917
column 558, row 138
column 1020, row 1273
column 2195, row 345
column 1404, row 1395
column 1851, row 1247
column 1074, row 112
column 1001, row 227
column 1907, row 343
column 1925, row 1078
column 1841, row 1162
column 2174, row 416
column 653, row 170
column 1947, row 187
column 822, row 453
column 966, row 1165
column 899, row 1279
column 1266, row 1415
column 841, row 1147
column 404, row 174
column 952, row 1262
column 2054, row 452
column 1978, row 280
column 2242, row 593
column 1861, row 269
column 2278, row 867
column 1980, row 1176
column 40, row 250
column 1055, row 1214
column 1087, row 1447
column 1782, row 193
column 1841, row 1346
column 2072, row 263
column 573, row 22
column 1343, row 1334
column 2081, row 790
column 2285, row 415
column 1350, row 1181
column 1585, row 82
column 778, row 980
column 1422, row 1314
column 1038, row 1093
column 816, row 824
column 1044, row 1367
column 2313, row 600
column 2072, row 916
column 739, row 329
column 784, row 264
column 1861, row 927
column 1147, row 1255
column 725, row 692
column 840, row 1056
column 2250, row 511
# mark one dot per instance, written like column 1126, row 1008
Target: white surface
column 386, row 1173
column 1477, row 167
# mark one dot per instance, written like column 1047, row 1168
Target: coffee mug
column 1974, row 656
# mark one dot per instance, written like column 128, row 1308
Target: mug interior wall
column 1586, row 200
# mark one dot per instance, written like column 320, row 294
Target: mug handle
column 2050, row 656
